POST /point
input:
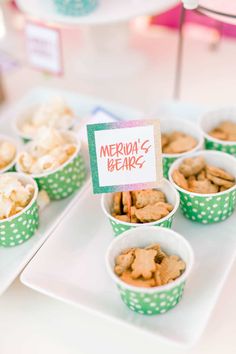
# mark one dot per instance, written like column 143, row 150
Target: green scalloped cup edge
column 21, row 227
column 121, row 226
column 206, row 208
column 72, row 9
column 156, row 300
column 212, row 143
column 66, row 179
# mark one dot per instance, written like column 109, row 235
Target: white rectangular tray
column 13, row 260
column 70, row 266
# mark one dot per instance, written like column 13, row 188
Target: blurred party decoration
column 44, row 47
column 221, row 10
column 75, row 7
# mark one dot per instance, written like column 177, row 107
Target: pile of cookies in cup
column 47, row 165
column 148, row 261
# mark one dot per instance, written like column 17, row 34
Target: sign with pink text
column 125, row 155
column 44, row 47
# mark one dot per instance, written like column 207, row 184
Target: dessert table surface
column 34, row 323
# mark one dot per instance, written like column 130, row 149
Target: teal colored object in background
column 75, row 7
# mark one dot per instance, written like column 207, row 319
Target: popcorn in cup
column 19, row 217
column 8, row 151
column 119, row 226
column 216, row 198
column 182, row 146
column 55, row 162
column 151, row 300
column 219, row 130
column 53, row 113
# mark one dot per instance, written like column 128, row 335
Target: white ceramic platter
column 108, row 11
column 13, row 260
column 70, row 267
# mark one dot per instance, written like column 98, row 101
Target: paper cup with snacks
column 150, row 266
column 128, row 210
column 219, row 129
column 206, row 184
column 53, row 113
column 19, row 217
column 8, row 151
column 75, row 7
column 55, row 162
column 179, row 138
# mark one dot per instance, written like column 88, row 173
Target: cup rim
column 201, row 152
column 146, row 223
column 209, row 137
column 195, row 127
column 59, row 168
column 5, row 137
column 33, row 200
column 28, row 136
column 154, row 289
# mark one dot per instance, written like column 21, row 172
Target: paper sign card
column 44, row 48
column 125, row 155
column 98, row 115
column 102, row 115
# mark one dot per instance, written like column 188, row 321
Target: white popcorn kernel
column 14, row 196
column 48, row 152
column 53, row 113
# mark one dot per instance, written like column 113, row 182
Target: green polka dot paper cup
column 209, row 121
column 11, row 166
column 160, row 299
column 75, row 7
column 121, row 226
column 19, row 228
column 66, row 179
column 208, row 208
column 184, row 126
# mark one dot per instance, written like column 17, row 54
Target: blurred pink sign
column 44, row 47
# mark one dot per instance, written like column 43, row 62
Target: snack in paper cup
column 52, row 113
column 19, row 217
column 55, row 162
column 8, row 152
column 174, row 265
column 75, row 7
column 174, row 145
column 161, row 206
column 219, row 130
column 209, row 196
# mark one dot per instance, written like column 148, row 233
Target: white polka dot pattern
column 119, row 228
column 62, row 183
column 20, row 228
column 229, row 149
column 152, row 304
column 207, row 210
